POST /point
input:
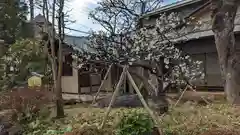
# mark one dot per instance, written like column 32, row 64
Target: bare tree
column 56, row 42
column 223, row 17
column 61, row 26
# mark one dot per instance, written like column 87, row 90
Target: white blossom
column 166, row 60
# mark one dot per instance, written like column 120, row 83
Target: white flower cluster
column 167, row 23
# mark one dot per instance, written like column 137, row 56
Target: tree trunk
column 31, row 5
column 223, row 16
column 56, row 59
column 159, row 68
column 59, row 100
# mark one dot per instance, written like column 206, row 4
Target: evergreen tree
column 13, row 16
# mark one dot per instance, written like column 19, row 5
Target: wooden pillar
column 205, row 70
column 79, row 84
column 90, row 82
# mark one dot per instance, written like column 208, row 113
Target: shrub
column 22, row 58
column 29, row 105
column 26, row 102
column 135, row 124
column 22, row 98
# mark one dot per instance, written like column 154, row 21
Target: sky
column 79, row 13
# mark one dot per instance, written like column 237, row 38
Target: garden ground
column 187, row 118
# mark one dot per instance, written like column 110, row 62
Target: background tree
column 13, row 16
column 223, row 17
column 54, row 42
column 22, row 58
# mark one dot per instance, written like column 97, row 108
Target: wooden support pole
column 100, row 87
column 120, row 82
column 190, row 87
column 141, row 86
column 181, row 96
column 155, row 119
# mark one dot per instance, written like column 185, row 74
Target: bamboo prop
column 141, row 86
column 181, row 96
column 120, row 82
column 190, row 87
column 100, row 87
column 155, row 119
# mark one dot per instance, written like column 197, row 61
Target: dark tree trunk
column 223, row 16
column 31, row 4
column 59, row 106
column 59, row 101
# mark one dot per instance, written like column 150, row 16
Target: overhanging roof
column 169, row 7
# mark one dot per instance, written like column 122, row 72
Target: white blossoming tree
column 125, row 41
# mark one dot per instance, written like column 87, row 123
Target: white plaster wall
column 70, row 83
column 108, row 83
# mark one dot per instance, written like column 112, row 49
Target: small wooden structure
column 79, row 81
column 85, row 84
